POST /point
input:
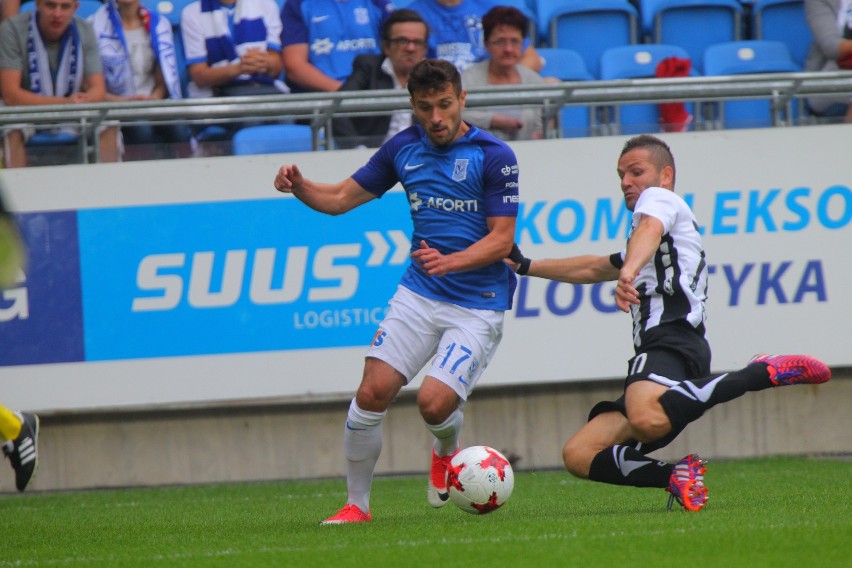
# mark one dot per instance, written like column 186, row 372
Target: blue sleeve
column 294, row 30
column 500, row 172
column 379, row 174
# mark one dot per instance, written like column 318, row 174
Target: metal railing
column 782, row 89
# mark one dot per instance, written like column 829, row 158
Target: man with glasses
column 404, row 37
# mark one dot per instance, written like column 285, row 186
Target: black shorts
column 670, row 353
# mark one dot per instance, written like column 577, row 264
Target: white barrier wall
column 194, row 281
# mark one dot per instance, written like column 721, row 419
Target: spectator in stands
column 321, row 39
column 50, row 56
column 232, row 47
column 504, row 29
column 404, row 37
column 9, row 8
column 455, row 31
column 138, row 56
column 831, row 25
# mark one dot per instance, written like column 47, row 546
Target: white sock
column 362, row 444
column 447, row 433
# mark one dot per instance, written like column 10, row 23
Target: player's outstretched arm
column 331, row 198
column 586, row 269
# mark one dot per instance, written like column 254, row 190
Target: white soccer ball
column 480, row 480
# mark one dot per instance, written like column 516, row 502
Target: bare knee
column 435, row 410
column 379, row 386
column 649, row 424
column 578, row 458
column 436, row 401
column 371, row 399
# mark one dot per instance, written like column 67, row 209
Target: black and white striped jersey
column 673, row 286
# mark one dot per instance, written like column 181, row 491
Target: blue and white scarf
column 115, row 57
column 225, row 44
column 69, row 73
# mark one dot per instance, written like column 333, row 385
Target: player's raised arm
column 331, row 198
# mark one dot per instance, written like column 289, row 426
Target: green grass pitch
column 772, row 512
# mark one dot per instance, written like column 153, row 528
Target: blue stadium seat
column 46, row 139
column 691, row 24
column 564, row 64
column 747, row 57
column 588, row 26
column 783, row 20
column 636, row 62
column 273, row 139
column 568, row 65
column 56, row 148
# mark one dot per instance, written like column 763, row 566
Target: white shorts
column 460, row 342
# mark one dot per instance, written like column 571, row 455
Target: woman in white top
column 138, row 55
column 504, row 29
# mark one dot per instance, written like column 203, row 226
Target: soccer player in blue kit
column 462, row 186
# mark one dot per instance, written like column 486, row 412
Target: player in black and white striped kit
column 662, row 283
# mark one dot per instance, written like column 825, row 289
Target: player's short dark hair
column 401, row 16
column 504, row 16
column 433, row 75
column 660, row 152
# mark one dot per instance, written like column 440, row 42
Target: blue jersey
column 452, row 190
column 455, row 32
column 335, row 31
